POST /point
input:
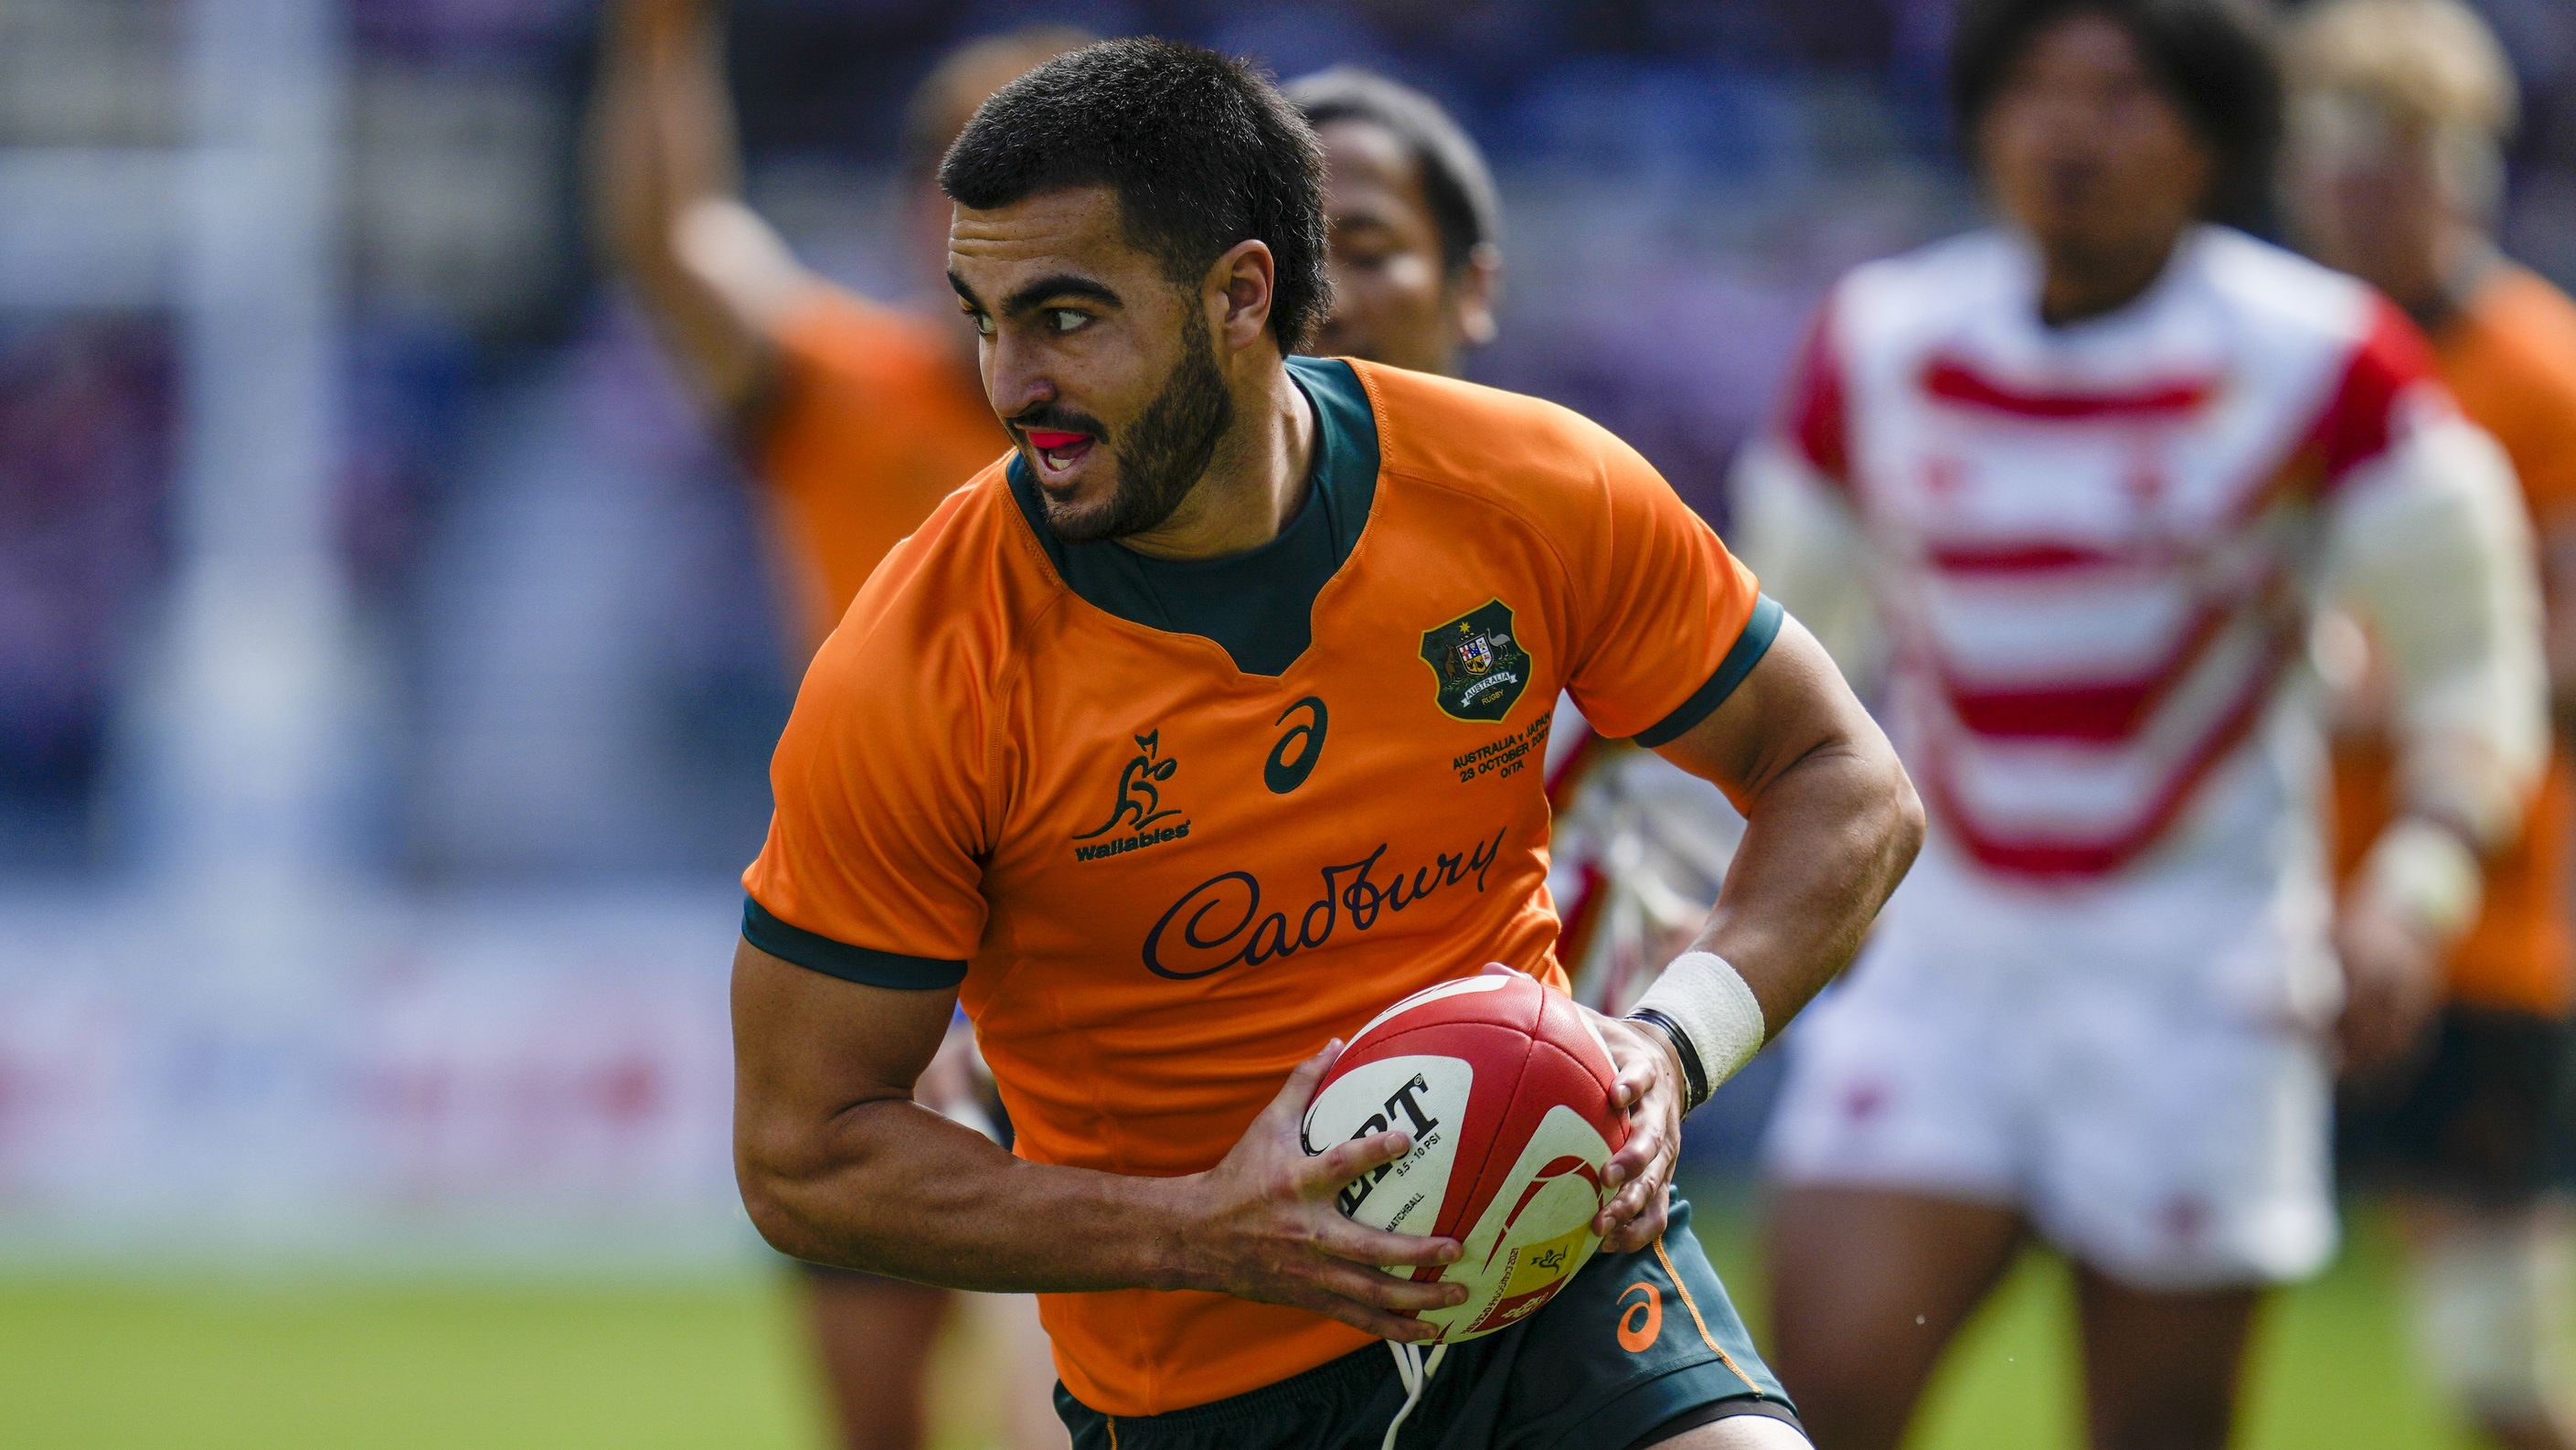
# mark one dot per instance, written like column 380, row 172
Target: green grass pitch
column 87, row 1364
column 2331, row 1366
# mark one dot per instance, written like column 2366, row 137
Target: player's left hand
column 1649, row 1087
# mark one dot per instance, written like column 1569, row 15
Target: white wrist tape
column 2426, row 875
column 1703, row 994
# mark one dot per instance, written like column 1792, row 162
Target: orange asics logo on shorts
column 1640, row 1321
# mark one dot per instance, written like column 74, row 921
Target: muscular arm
column 838, row 1165
column 714, row 276
column 1832, row 822
column 2432, row 547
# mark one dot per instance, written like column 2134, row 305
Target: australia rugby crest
column 1479, row 663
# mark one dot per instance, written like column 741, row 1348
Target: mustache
column 1058, row 419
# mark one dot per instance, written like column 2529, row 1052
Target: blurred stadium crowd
column 556, row 576
column 553, row 567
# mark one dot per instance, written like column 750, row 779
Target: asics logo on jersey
column 1139, row 806
column 1219, row 923
column 1641, row 1316
column 1283, row 772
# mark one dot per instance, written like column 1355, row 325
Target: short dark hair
column 1199, row 148
column 2214, row 58
column 1455, row 179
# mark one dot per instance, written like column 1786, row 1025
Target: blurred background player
column 1640, row 846
column 2399, row 114
column 1413, row 223
column 2098, row 466
column 858, row 416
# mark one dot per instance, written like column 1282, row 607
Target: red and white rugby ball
column 1505, row 1087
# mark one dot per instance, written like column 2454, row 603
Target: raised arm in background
column 715, row 278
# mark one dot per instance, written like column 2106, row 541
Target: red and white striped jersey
column 2094, row 551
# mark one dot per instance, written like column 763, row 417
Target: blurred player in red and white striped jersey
column 2099, row 467
column 2399, row 112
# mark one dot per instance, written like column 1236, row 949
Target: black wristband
column 1694, row 1076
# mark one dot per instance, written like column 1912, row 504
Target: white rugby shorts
column 2064, row 1059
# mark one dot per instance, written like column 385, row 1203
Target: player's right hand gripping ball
column 1506, row 1089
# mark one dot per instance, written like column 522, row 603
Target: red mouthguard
column 1052, row 441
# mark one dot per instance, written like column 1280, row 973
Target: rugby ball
column 1506, row 1089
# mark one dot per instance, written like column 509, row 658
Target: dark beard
column 1165, row 451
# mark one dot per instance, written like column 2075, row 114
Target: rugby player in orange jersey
column 2399, row 112
column 857, row 416
column 1164, row 747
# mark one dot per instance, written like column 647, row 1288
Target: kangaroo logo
column 1140, row 790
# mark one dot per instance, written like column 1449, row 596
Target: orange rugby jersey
column 875, row 421
column 2510, row 359
column 1172, row 825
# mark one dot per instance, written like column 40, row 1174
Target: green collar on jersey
column 1258, row 605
